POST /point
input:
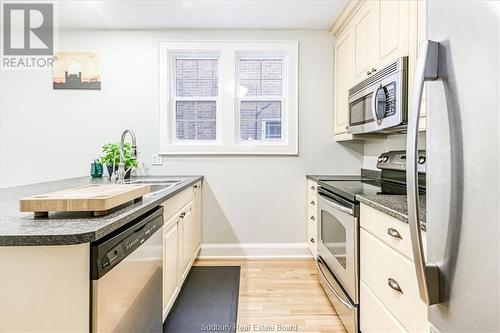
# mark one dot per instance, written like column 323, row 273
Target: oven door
column 338, row 234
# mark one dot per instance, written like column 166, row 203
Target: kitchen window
column 228, row 97
column 194, row 98
column 261, row 96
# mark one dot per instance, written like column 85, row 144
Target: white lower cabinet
column 186, row 243
column 392, row 278
column 389, row 296
column 312, row 215
column 181, row 241
column 170, row 278
column 374, row 316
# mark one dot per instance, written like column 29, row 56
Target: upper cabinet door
column 393, row 24
column 364, row 23
column 344, row 78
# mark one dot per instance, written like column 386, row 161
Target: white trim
column 226, row 143
column 254, row 251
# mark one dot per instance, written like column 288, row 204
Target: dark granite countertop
column 22, row 229
column 393, row 205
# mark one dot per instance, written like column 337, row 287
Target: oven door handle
column 337, row 206
column 340, row 298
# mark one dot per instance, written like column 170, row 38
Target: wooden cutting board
column 96, row 198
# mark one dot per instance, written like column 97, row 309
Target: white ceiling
column 198, row 14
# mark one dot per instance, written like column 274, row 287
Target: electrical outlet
column 156, row 159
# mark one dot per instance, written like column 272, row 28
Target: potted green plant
column 111, row 157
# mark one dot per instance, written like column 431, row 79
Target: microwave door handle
column 375, row 106
column 427, row 273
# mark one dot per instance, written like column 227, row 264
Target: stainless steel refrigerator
column 460, row 278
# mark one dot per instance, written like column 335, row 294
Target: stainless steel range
column 338, row 230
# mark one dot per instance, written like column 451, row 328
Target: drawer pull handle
column 394, row 285
column 312, row 240
column 394, row 233
column 313, row 188
column 313, row 218
column 183, row 214
column 313, row 203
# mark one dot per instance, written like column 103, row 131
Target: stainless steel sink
column 155, row 181
column 156, row 185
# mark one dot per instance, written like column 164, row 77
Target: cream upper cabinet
column 365, row 40
column 344, row 78
column 393, row 28
column 369, row 34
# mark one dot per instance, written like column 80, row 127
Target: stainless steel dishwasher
column 126, row 277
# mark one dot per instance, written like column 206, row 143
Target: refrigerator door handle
column 427, row 273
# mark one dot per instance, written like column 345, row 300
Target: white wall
column 51, row 134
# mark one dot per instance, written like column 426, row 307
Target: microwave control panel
column 390, row 99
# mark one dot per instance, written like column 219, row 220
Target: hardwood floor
column 281, row 294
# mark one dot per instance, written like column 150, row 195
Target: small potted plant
column 111, row 157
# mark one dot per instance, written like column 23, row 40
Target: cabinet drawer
column 311, row 201
column 311, row 238
column 388, row 229
column 373, row 315
column 176, row 203
column 380, row 264
column 312, row 216
column 312, row 186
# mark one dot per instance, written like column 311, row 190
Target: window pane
column 261, row 77
column 272, row 129
column 195, row 120
column 196, row 77
column 258, row 118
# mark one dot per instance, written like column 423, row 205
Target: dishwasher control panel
column 116, row 247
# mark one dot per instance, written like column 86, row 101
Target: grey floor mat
column 208, row 301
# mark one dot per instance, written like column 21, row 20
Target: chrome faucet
column 119, row 178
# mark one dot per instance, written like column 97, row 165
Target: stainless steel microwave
column 380, row 102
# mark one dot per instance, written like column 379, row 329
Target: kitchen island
column 45, row 262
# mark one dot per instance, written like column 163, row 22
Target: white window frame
column 227, row 116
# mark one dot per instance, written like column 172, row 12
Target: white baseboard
column 254, row 251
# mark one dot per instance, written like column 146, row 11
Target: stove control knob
column 421, row 160
column 385, row 159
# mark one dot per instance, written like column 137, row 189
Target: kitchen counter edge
column 125, row 215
